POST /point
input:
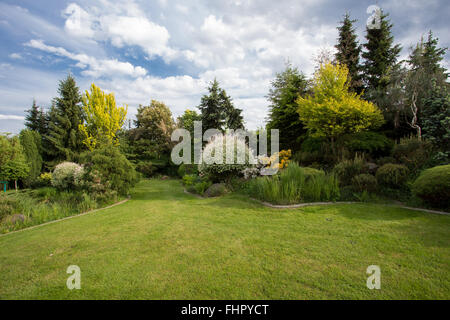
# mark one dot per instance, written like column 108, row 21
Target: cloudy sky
column 169, row 50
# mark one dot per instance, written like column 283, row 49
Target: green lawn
column 165, row 244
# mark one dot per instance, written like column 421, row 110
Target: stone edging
column 308, row 204
column 66, row 218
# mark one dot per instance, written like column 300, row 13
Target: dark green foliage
column 380, row 55
column 392, row 175
column 146, row 168
column 347, row 169
column 283, row 115
column 31, row 143
column 436, row 120
column 110, row 168
column 364, row 182
column 217, row 110
column 64, row 140
column 184, row 169
column 370, row 143
column 413, row 153
column 216, row 190
column 36, row 120
column 202, row 186
column 433, row 186
column 348, row 52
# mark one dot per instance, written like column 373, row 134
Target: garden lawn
column 165, row 244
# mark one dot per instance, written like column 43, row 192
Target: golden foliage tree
column 103, row 118
column 332, row 110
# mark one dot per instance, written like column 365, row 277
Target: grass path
column 165, row 244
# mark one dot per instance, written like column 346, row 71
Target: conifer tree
column 65, row 142
column 32, row 117
column 380, row 55
column 286, row 88
column 348, row 52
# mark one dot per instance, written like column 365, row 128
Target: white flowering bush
column 226, row 156
column 67, row 175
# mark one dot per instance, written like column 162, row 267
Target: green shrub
column 45, row 179
column 295, row 184
column 383, row 160
column 370, row 143
column 347, row 169
column 216, row 190
column 413, row 153
column 190, row 179
column 392, row 175
column 312, row 172
column 364, row 182
column 433, row 186
column 67, row 175
column 201, row 187
column 146, row 168
column 184, row 169
column 108, row 169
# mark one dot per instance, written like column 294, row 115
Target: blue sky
column 169, row 50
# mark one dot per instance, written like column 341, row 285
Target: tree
column 380, row 55
column 332, row 110
column 154, row 126
column 32, row 117
column 31, row 143
column 64, row 138
column 436, row 119
column 13, row 164
column 286, row 88
column 425, row 70
column 348, row 52
column 187, row 119
column 217, row 110
column 103, row 118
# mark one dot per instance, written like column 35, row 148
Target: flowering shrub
column 67, row 175
column 271, row 162
column 45, row 179
column 218, row 166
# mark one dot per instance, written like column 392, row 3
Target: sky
column 170, row 50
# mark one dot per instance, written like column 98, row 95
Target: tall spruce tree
column 32, row 117
column 218, row 111
column 64, row 137
column 380, row 55
column 286, row 88
column 348, row 52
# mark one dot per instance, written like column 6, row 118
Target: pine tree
column 32, row 117
column 348, row 52
column 64, row 137
column 218, row 111
column 380, row 56
column 286, row 88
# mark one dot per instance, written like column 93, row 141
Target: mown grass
column 165, row 244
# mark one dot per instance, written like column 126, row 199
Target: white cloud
column 123, row 24
column 15, row 55
column 95, row 67
column 11, row 117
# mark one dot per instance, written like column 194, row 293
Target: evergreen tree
column 65, row 142
column 32, row 119
column 380, row 55
column 31, row 143
column 217, row 110
column 348, row 52
column 286, row 88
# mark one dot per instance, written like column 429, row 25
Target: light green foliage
column 294, row 185
column 103, row 118
column 332, row 110
column 13, row 163
column 433, row 186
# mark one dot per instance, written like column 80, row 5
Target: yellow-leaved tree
column 332, row 110
column 103, row 118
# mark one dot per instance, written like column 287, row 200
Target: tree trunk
column 15, row 184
